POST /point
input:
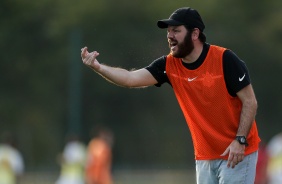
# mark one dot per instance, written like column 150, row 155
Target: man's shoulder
column 217, row 47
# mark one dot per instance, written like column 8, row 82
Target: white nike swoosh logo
column 242, row 78
column 189, row 79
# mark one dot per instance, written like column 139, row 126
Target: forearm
column 115, row 75
column 119, row 76
column 247, row 117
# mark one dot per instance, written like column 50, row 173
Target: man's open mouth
column 172, row 44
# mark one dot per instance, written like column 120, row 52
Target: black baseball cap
column 183, row 16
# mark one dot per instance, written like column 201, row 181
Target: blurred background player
column 72, row 162
column 99, row 158
column 274, row 169
column 11, row 161
column 261, row 170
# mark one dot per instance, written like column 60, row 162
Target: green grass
column 124, row 177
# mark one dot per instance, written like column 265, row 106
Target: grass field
column 124, row 177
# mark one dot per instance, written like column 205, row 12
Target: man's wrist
column 242, row 140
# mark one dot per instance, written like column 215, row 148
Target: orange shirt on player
column 212, row 114
column 98, row 166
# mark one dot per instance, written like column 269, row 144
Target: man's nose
column 170, row 35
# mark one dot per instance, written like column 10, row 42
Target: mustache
column 170, row 41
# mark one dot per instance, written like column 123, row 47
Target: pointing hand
column 89, row 59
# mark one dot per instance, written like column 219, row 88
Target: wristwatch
column 242, row 140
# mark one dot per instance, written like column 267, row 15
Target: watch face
column 243, row 140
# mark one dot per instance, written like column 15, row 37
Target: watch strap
column 242, row 140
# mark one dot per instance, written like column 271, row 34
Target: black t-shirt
column 236, row 73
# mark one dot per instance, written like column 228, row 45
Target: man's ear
column 195, row 34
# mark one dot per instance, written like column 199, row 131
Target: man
column 11, row 160
column 274, row 167
column 213, row 88
column 72, row 161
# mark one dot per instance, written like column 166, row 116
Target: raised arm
column 118, row 76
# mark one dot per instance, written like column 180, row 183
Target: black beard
column 184, row 48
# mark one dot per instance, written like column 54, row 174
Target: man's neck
column 195, row 54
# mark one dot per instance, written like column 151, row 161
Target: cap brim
column 168, row 22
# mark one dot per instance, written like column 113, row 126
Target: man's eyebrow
column 173, row 27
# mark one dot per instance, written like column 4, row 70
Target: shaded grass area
column 124, row 177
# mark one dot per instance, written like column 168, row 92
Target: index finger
column 230, row 159
column 84, row 52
